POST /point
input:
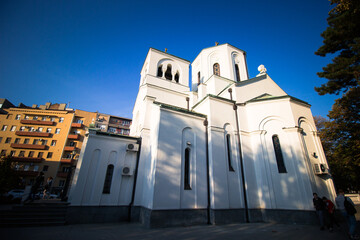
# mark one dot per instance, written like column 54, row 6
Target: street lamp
column 64, row 196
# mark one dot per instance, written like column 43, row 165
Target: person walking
column 38, row 181
column 348, row 212
column 47, row 187
column 320, row 208
column 330, row 213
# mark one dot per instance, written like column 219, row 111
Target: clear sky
column 90, row 53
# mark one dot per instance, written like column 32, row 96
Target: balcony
column 77, row 125
column 33, row 134
column 67, row 161
column 62, row 174
column 37, row 122
column 69, row 148
column 27, row 159
column 28, row 146
column 27, row 173
column 74, row 136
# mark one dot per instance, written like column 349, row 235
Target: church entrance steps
column 38, row 213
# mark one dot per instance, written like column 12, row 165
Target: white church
column 229, row 149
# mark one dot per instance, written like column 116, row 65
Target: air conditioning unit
column 126, row 171
column 320, row 168
column 132, row 147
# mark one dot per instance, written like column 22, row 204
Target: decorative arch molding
column 236, row 60
column 164, row 66
column 230, row 143
column 228, row 128
column 262, row 124
column 213, row 58
column 188, row 159
column 112, row 157
column 144, row 72
column 303, row 120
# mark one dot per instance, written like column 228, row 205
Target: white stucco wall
column 169, row 192
column 88, row 181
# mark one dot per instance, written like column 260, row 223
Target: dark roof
column 169, row 55
column 98, row 132
column 178, row 109
column 266, row 97
column 214, row 96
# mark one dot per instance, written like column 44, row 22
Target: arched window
column 216, row 69
column 278, row 154
column 159, row 71
column 108, row 178
column 199, row 78
column 229, row 153
column 168, row 74
column 237, row 72
column 177, row 76
column 187, row 170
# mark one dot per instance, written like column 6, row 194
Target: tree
column 8, row 176
column 340, row 137
column 341, row 133
column 342, row 36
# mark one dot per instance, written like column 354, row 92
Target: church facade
column 230, row 149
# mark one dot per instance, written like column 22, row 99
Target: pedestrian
column 34, row 189
column 47, row 187
column 330, row 213
column 320, row 208
column 347, row 209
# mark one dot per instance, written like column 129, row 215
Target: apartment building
column 113, row 124
column 35, row 138
column 49, row 138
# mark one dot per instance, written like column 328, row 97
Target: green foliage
column 342, row 36
column 8, row 177
column 340, row 137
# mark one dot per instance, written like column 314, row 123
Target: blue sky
column 90, row 53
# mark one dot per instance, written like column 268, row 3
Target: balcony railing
column 37, row 122
column 73, row 136
column 69, row 148
column 28, row 146
column 67, row 160
column 76, row 125
column 27, row 159
column 33, row 134
column 62, row 174
column 27, row 173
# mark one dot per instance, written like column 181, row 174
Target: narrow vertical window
column 168, row 74
column 108, row 178
column 199, row 77
column 159, row 71
column 229, row 154
column 187, row 170
column 278, row 154
column 216, row 69
column 237, row 72
column 177, row 76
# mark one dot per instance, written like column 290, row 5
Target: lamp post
column 64, row 196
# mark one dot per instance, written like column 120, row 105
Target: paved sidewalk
column 112, row 231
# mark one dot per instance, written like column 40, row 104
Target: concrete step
column 44, row 213
column 32, row 224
